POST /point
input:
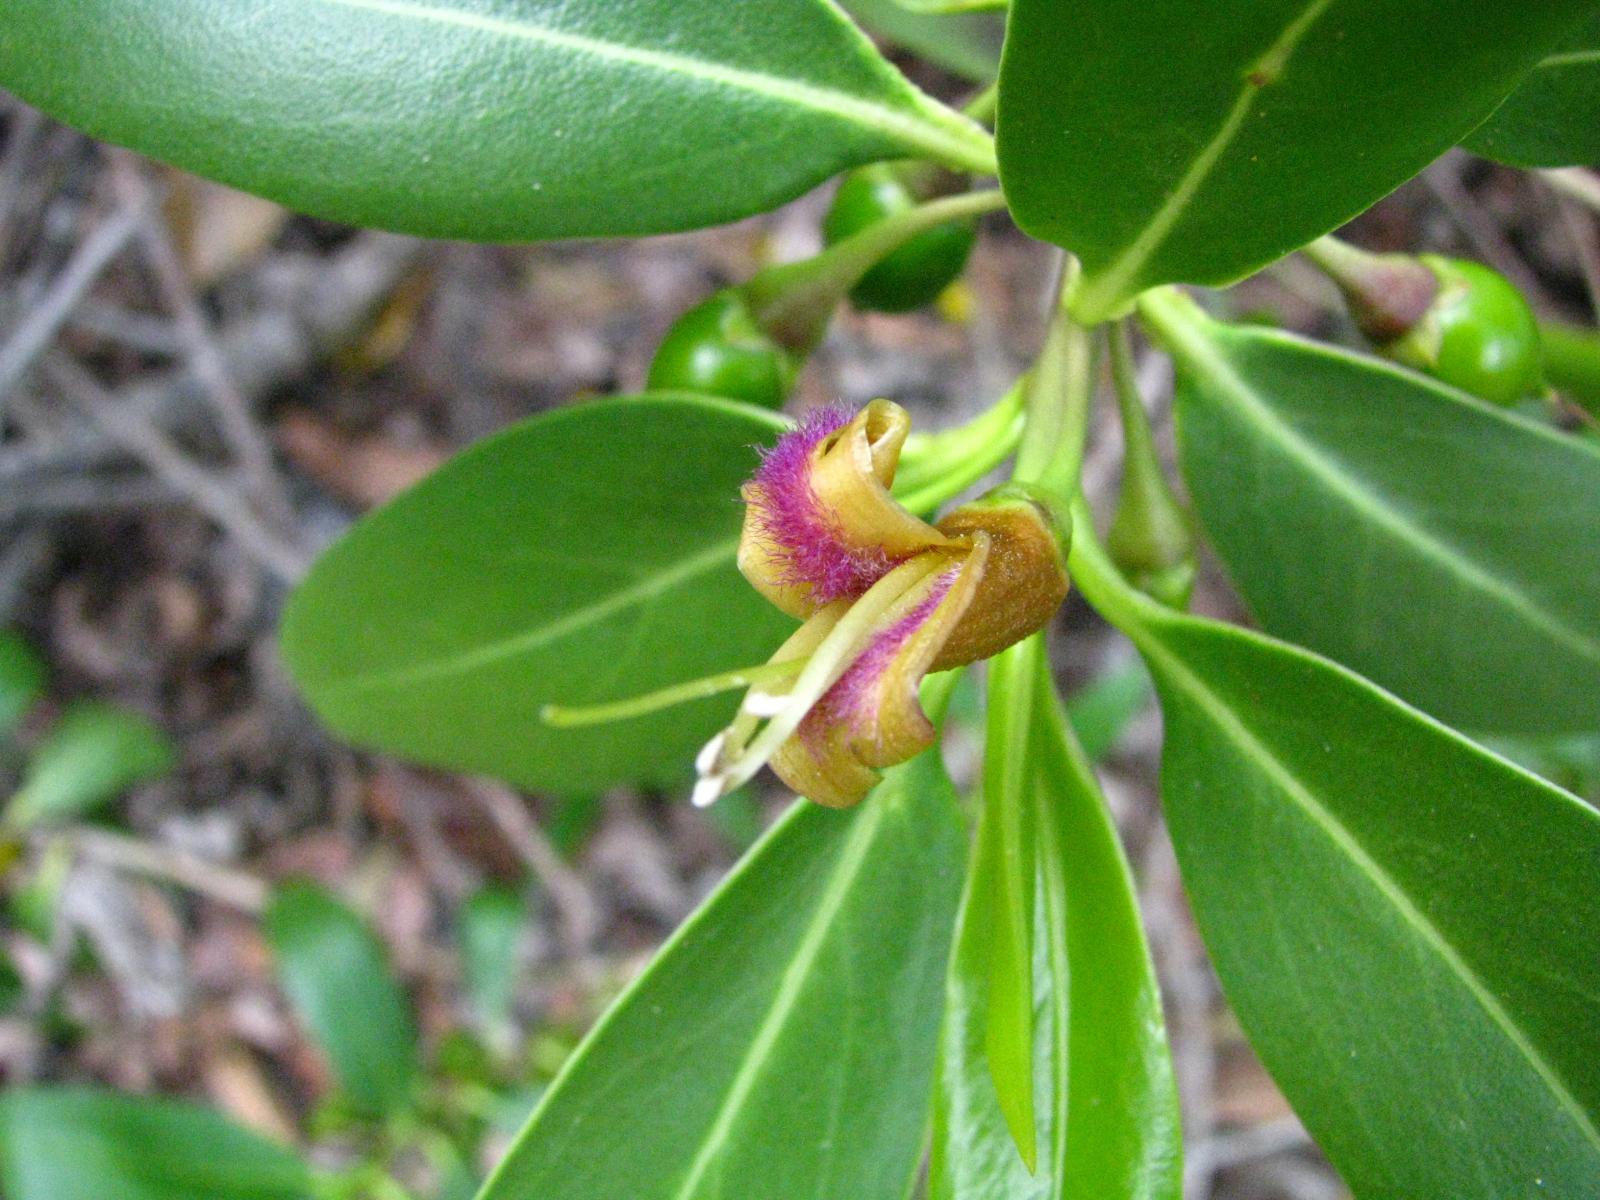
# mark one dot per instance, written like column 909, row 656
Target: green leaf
column 1103, row 1085
column 22, row 679
column 782, row 1042
column 82, row 1144
column 1101, row 711
column 1553, row 118
column 1119, row 1133
column 13, row 988
column 338, row 980
column 966, row 44
column 998, row 937
column 1438, row 545
column 583, row 556
column 491, row 925
column 490, row 120
column 94, row 753
column 1404, row 923
column 1570, row 761
column 1173, row 141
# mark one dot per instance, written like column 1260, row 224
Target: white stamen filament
column 738, row 755
column 764, row 704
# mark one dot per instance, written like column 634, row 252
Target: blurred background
column 198, row 390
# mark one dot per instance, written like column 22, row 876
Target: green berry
column 914, row 274
column 1478, row 335
column 718, row 348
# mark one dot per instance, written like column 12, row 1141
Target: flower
column 885, row 599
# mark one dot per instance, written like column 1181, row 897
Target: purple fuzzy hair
column 807, row 548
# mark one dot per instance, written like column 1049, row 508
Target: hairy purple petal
column 807, row 547
column 852, row 697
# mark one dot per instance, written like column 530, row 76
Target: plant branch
column 234, row 420
column 795, row 301
column 236, row 888
column 567, row 891
column 37, row 329
column 211, row 495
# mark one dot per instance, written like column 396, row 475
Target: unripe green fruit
column 918, row 271
column 1478, row 334
column 718, row 348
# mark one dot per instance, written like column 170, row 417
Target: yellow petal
column 1023, row 584
column 871, row 717
column 820, row 524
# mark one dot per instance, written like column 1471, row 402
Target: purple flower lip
column 850, row 699
column 808, row 550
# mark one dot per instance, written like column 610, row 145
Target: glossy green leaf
column 1404, row 923
column 1104, row 1092
column 1571, row 761
column 782, row 1043
column 1438, row 545
column 491, row 120
column 1174, row 141
column 583, row 556
column 93, row 754
column 1553, row 118
column 338, row 980
column 964, row 43
column 22, row 679
column 83, row 1144
column 997, row 942
column 492, row 922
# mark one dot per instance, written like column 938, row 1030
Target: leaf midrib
column 1354, row 489
column 1227, row 720
column 634, row 594
column 1571, row 58
column 1106, row 288
column 790, row 987
column 923, row 126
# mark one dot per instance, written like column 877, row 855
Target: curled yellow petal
column 1024, row 582
column 871, row 718
column 820, row 524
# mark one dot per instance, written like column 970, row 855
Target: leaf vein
column 851, row 859
column 1358, row 493
column 1107, row 287
column 521, row 643
column 1228, row 722
column 928, row 127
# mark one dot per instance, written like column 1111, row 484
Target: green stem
column 1059, row 391
column 941, row 465
column 794, row 302
column 1103, row 586
column 1387, row 293
column 1572, row 363
column 1171, row 316
column 571, row 716
column 960, row 143
column 982, row 106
